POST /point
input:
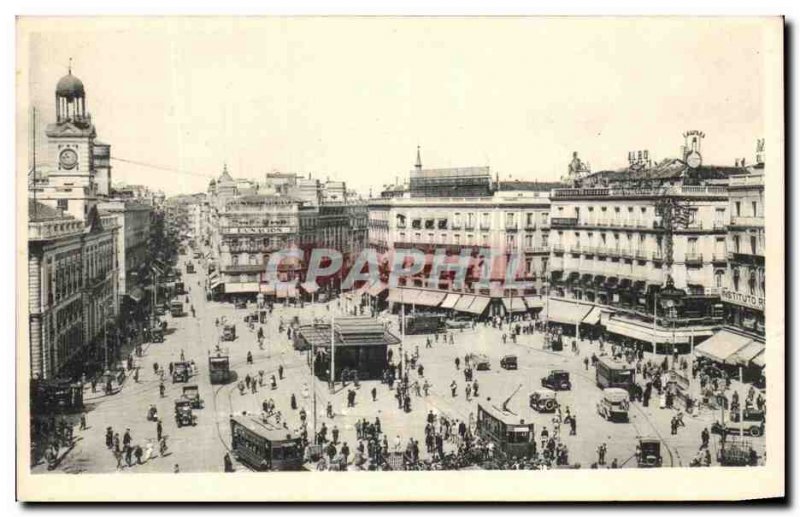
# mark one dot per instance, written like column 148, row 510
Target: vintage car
column 479, row 361
column 190, row 267
column 614, row 404
column 744, row 428
column 240, row 304
column 183, row 412
column 544, row 400
column 229, row 332
column 157, row 335
column 557, row 380
column 737, row 454
column 180, row 372
column 192, row 393
column 649, row 453
column 252, row 317
column 508, row 362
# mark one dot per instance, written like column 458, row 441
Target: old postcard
column 400, row 259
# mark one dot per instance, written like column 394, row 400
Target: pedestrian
column 249, row 357
column 335, row 434
column 109, row 437
column 329, row 410
column 176, row 469
column 118, row 456
column 161, row 389
column 273, row 383
column 293, row 402
column 162, row 446
column 159, row 429
column 475, row 387
column 126, row 439
column 572, row 425
column 227, row 463
column 453, row 388
column 280, row 372
column 83, row 422
column 116, row 442
column 374, row 394
column 458, row 363
column 129, row 455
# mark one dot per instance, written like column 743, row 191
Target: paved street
column 201, row 448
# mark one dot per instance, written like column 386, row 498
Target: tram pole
column 333, row 356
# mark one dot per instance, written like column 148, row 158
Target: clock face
column 694, row 160
column 68, row 158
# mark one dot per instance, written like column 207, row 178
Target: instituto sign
column 241, row 230
column 747, row 300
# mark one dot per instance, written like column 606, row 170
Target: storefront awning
column 515, row 304
column 464, row 302
column 430, row 298
column 291, row 291
column 565, row 312
column 450, row 301
column 267, row 289
column 758, row 360
column 746, row 355
column 281, row 292
column 213, row 282
column 534, row 302
column 593, row 318
column 309, row 287
column 723, row 346
column 241, row 287
column 479, row 305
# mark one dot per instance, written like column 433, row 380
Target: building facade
column 463, row 210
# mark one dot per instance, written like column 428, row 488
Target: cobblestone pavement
column 200, row 448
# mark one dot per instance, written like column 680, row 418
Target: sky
column 352, row 98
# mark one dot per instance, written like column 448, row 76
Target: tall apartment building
column 463, row 210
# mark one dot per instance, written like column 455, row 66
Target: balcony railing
column 485, row 226
column 747, row 222
column 560, row 222
column 693, row 258
column 557, row 248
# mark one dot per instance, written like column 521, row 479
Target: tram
column 265, row 446
column 507, row 431
column 613, row 374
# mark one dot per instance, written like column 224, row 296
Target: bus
column 423, row 324
column 219, row 369
column 262, row 445
column 613, row 374
column 509, row 433
column 176, row 308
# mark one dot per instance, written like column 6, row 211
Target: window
column 417, row 237
column 529, row 241
column 402, row 236
column 738, row 208
column 718, row 275
column 510, row 221
column 692, row 246
column 444, row 238
column 736, row 243
column 752, row 245
column 511, row 240
column 442, row 225
column 457, row 238
column 484, row 240
column 416, row 224
column 430, row 238
column 457, row 220
column 529, row 219
column 63, row 204
column 755, row 209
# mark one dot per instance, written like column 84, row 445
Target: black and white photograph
column 369, row 249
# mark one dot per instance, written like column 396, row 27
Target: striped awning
column 430, row 298
column 450, row 301
column 464, row 302
column 593, row 318
column 479, row 305
column 514, row 304
column 565, row 312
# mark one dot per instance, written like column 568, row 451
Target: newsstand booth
column 360, row 345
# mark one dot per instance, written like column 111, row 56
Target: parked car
column 544, row 400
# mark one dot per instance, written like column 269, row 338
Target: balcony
column 693, row 259
column 563, row 222
column 640, row 254
column 511, row 227
column 469, row 226
column 747, row 222
column 719, row 258
column 485, row 226
column 657, row 256
column 557, row 248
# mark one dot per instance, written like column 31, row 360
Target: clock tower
column 71, row 184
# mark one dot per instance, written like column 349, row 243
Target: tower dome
column 70, row 87
column 71, row 100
